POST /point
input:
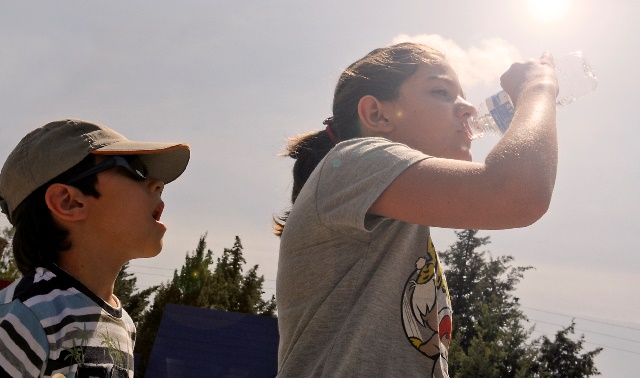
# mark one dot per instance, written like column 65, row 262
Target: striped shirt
column 51, row 323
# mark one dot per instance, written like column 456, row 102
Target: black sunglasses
column 132, row 164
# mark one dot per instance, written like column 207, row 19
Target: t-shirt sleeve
column 354, row 174
column 23, row 343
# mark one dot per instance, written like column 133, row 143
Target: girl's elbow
column 526, row 203
column 537, row 212
column 534, row 208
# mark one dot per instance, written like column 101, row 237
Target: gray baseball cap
column 54, row 148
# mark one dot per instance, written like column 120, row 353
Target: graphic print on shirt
column 426, row 308
column 97, row 363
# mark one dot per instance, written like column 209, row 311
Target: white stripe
column 43, row 275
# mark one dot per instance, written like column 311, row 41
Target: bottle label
column 501, row 110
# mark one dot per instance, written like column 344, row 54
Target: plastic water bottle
column 575, row 79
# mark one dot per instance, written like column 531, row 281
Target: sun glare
column 548, row 10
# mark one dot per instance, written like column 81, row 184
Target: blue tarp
column 199, row 342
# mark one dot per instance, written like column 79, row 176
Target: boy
column 83, row 200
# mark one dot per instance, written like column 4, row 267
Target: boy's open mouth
column 158, row 212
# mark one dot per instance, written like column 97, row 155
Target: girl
column 360, row 288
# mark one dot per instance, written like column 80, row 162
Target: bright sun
column 547, row 10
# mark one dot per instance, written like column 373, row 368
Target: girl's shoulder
column 373, row 148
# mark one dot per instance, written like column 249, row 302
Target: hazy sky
column 234, row 79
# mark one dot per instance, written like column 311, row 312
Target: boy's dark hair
column 38, row 240
column 379, row 74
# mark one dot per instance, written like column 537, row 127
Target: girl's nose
column 465, row 109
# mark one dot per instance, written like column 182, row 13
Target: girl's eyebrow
column 449, row 82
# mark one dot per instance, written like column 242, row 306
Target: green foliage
column 235, row 291
column 562, row 358
column 194, row 280
column 8, row 268
column 489, row 339
column 223, row 288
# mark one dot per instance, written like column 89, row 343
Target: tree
column 225, row 288
column 235, row 291
column 487, row 327
column 133, row 303
column 8, row 268
column 562, row 358
column 489, row 339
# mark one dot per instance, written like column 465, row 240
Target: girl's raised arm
column 514, row 185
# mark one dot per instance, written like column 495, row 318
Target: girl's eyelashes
column 441, row 92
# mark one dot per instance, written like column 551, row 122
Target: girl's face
column 430, row 112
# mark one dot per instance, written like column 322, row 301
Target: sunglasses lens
column 138, row 168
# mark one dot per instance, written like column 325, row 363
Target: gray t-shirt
column 357, row 294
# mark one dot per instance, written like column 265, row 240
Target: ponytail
column 308, row 150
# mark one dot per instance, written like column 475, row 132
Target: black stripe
column 28, row 289
column 3, row 373
column 71, row 319
column 100, row 355
column 21, row 343
column 23, row 285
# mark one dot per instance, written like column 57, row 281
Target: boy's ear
column 66, row 203
column 372, row 115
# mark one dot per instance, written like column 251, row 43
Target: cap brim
column 164, row 161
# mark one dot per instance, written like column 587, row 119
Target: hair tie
column 332, row 136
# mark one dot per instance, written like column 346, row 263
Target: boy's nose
column 156, row 185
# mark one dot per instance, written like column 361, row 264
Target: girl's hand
column 534, row 75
